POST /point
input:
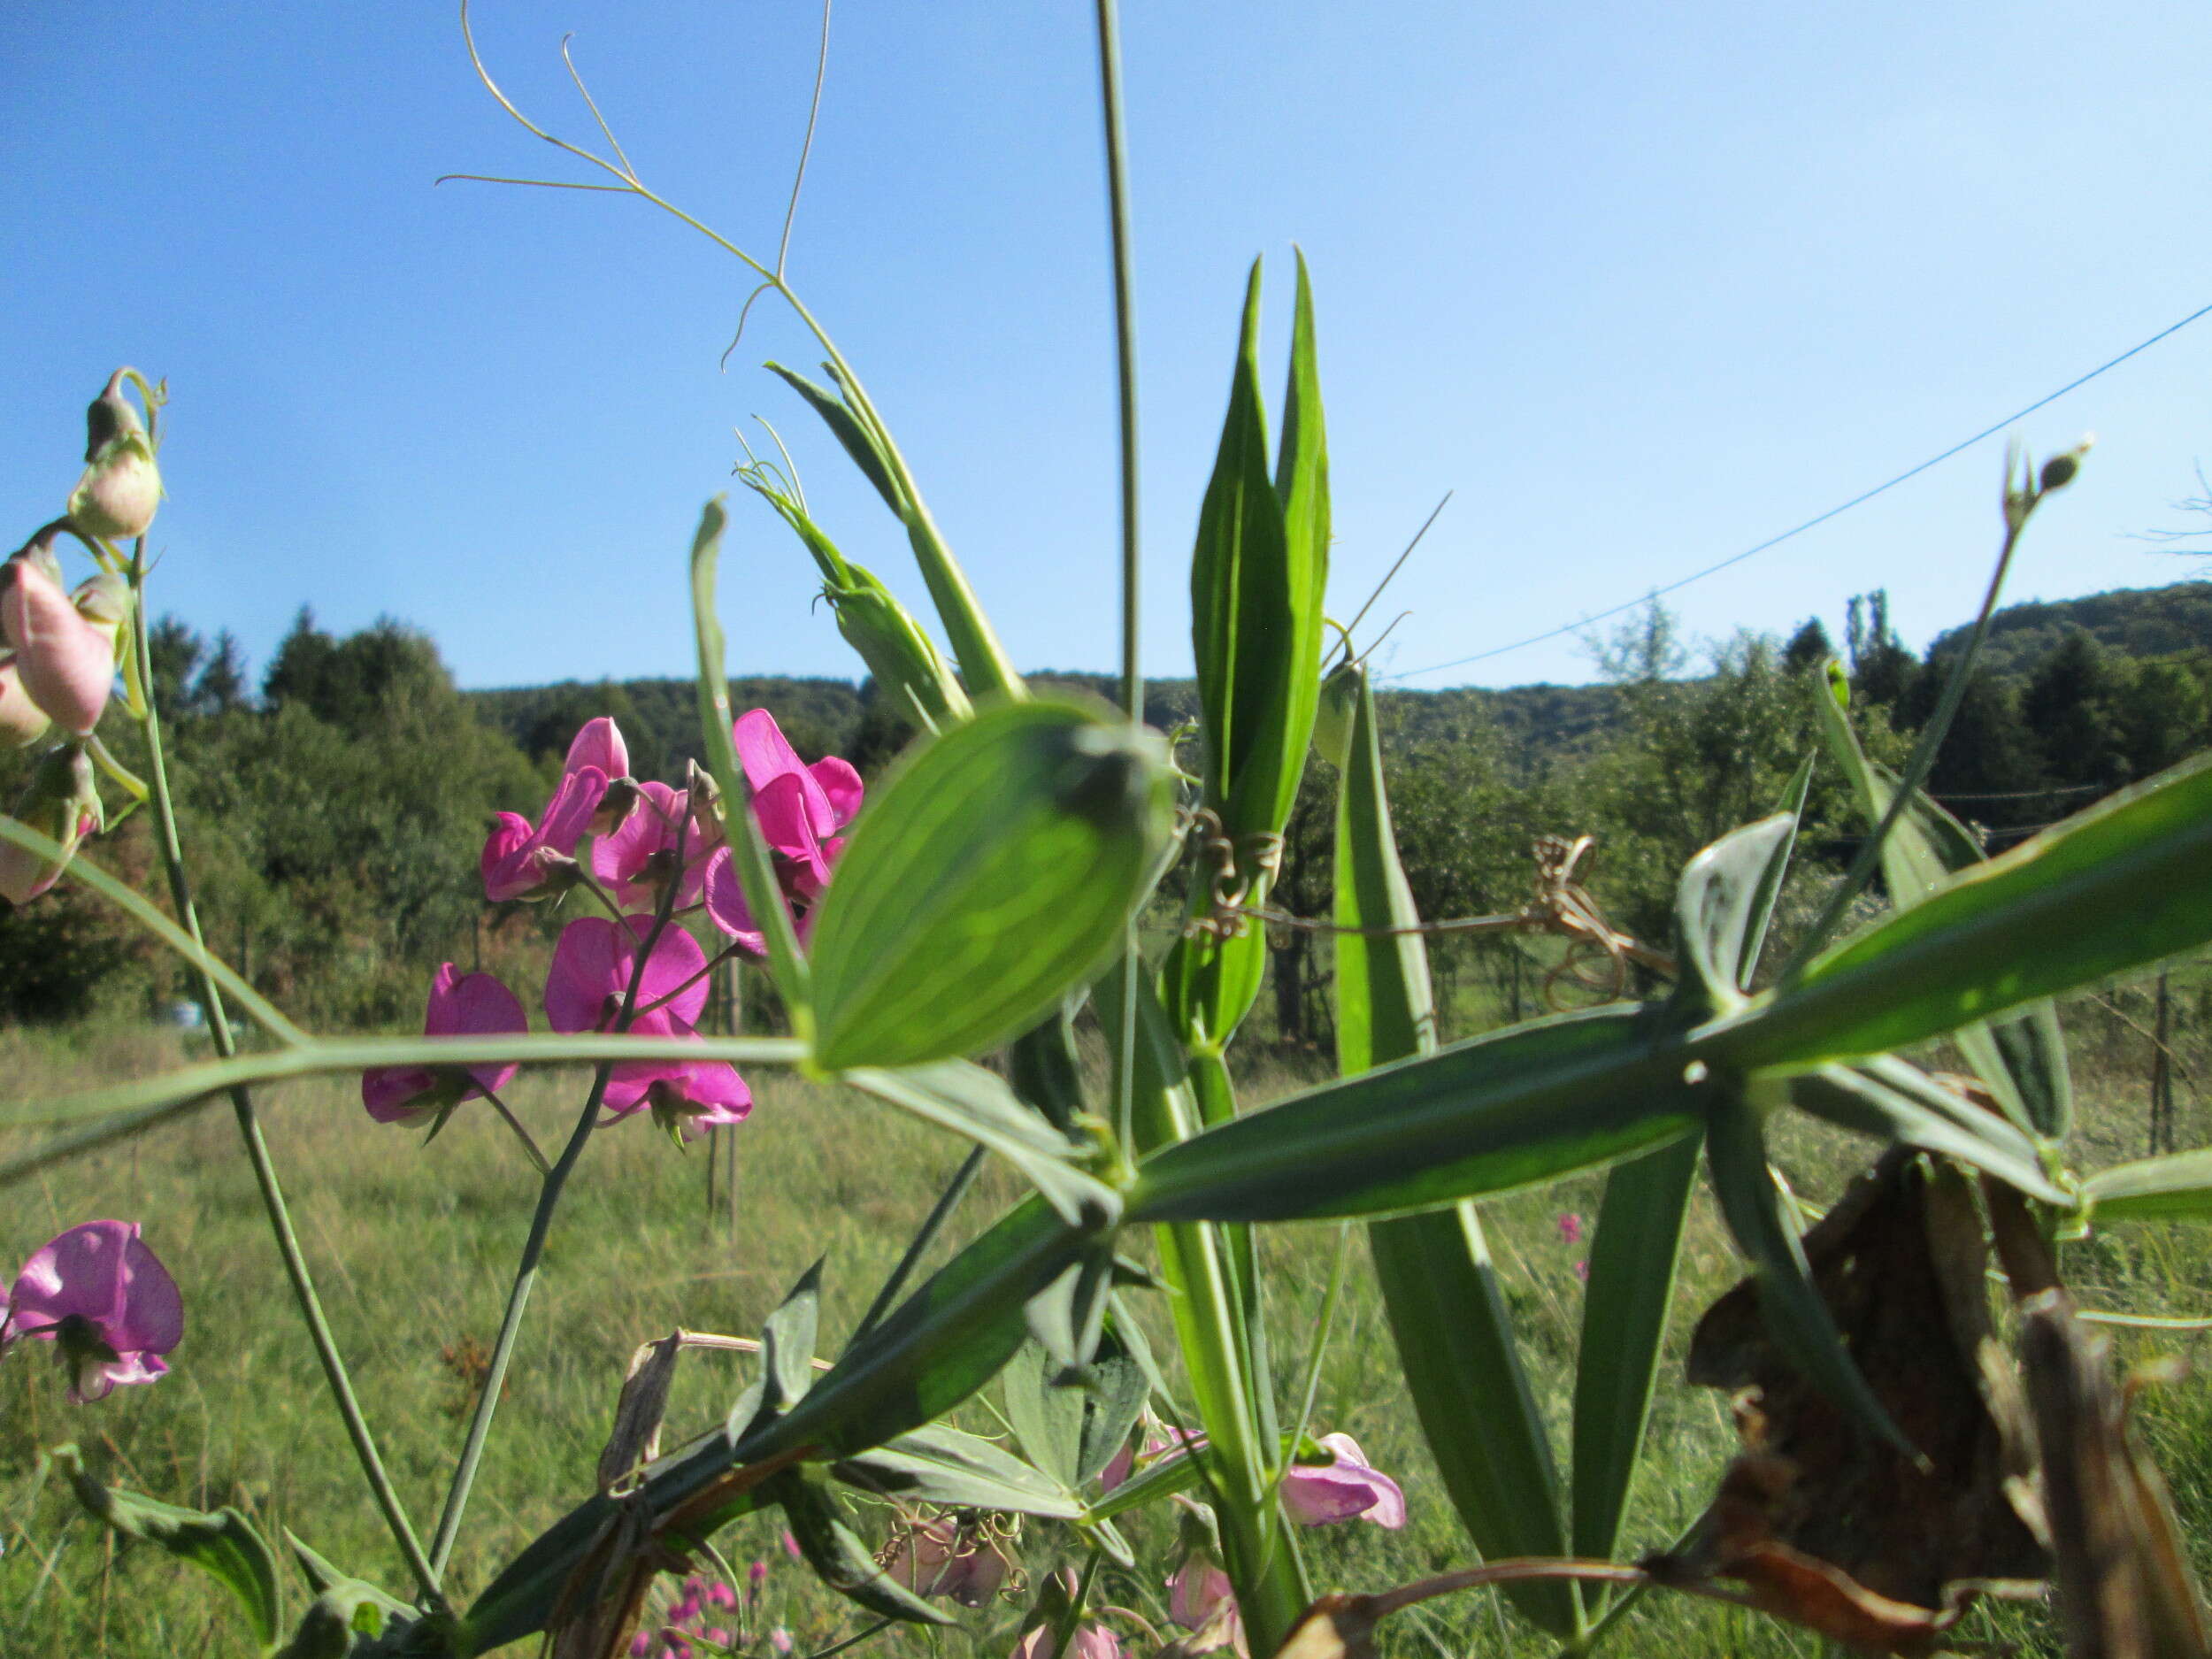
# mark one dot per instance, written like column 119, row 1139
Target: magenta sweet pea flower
column 800, row 807
column 467, row 1005
column 636, row 860
column 526, row 861
column 1315, row 1493
column 107, row 1303
column 599, row 745
column 66, row 662
column 593, row 963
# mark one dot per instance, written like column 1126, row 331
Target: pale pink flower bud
column 22, row 722
column 66, row 664
column 116, row 497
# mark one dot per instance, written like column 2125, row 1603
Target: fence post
column 2161, row 1072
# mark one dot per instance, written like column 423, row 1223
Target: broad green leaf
column 748, row 852
column 1789, row 1304
column 1122, row 1379
column 997, row 867
column 2022, row 1059
column 1892, row 1101
column 2126, row 884
column 1491, row 1115
column 837, row 1556
column 1047, row 1417
column 222, row 1543
column 937, row 1465
column 787, row 1352
column 2176, row 1187
column 1455, row 1337
column 1633, row 1253
column 1723, row 900
column 969, row 1100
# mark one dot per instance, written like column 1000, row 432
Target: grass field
column 413, row 1247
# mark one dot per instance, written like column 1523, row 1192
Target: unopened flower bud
column 2059, row 471
column 905, row 662
column 67, row 663
column 104, row 601
column 115, row 498
column 1332, row 715
column 22, row 722
column 62, row 804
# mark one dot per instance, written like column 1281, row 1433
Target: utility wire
column 1859, row 500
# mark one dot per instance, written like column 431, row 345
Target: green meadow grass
column 412, row 1247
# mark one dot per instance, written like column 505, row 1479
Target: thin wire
column 1859, row 500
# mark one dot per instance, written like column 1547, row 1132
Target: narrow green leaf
column 1302, row 485
column 997, row 866
column 837, row 1556
column 850, row 430
column 1789, row 1304
column 1633, row 1253
column 965, row 1098
column 1455, row 1337
column 748, row 852
column 2127, row 883
column 1491, row 1115
column 937, row 1465
column 2023, row 1058
column 222, row 1543
column 2176, row 1187
column 1769, row 893
column 1890, row 1099
column 1722, row 900
column 142, row 910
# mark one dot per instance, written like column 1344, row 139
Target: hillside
column 2132, row 621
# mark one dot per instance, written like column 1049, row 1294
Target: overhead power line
column 1859, row 500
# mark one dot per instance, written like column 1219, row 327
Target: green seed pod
column 995, row 870
column 903, row 658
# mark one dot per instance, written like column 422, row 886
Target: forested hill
column 2132, row 621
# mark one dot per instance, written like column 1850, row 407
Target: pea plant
column 1899, row 1461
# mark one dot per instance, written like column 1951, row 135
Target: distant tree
column 297, row 670
column 2072, row 704
column 173, row 653
column 1881, row 667
column 221, row 686
column 1808, row 647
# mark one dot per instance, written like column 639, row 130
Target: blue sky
column 1643, row 286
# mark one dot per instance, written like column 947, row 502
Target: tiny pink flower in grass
column 66, row 664
column 523, row 860
column 1582, row 1272
column 779, row 1639
column 791, row 1547
column 462, row 1005
column 1316, row 1494
column 1571, row 1228
column 107, row 1303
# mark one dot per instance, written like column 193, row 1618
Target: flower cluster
column 105, row 1303
column 657, row 854
column 686, row 1621
column 59, row 648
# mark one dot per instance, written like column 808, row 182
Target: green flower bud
column 1333, row 714
column 61, row 803
column 115, row 498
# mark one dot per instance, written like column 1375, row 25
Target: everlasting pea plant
column 982, row 898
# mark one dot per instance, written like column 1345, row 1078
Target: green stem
column 550, row 1192
column 932, row 1224
column 210, row 1000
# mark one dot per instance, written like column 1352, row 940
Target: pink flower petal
column 67, row 664
column 600, row 744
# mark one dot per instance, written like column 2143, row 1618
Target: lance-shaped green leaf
column 787, row 1354
column 853, row 420
column 995, row 870
column 749, row 849
column 1633, row 1253
column 965, row 1098
column 937, row 1465
column 1723, row 902
column 2127, row 883
column 2022, row 1058
column 348, row 1615
column 1789, row 1304
column 1455, row 1337
column 837, row 1556
column 221, row 1543
column 1893, row 1100
column 2176, row 1187
column 1490, row 1115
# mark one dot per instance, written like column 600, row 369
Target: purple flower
column 1199, row 1592
column 1582, row 1272
column 599, row 744
column 1315, row 1493
column 526, row 861
column 637, row 860
column 593, row 965
column 940, row 1557
column 1091, row 1642
column 1571, row 1228
column 469, row 1005
column 107, row 1303
column 779, row 1639
column 799, row 808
